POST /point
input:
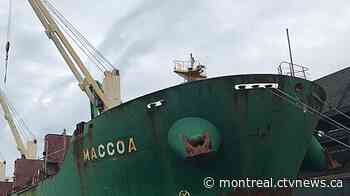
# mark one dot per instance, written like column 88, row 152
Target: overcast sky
column 143, row 37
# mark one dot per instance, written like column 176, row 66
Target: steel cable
column 321, row 116
column 315, row 111
column 88, row 47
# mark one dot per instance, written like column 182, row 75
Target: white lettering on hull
column 119, row 147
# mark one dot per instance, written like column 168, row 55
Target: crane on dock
column 102, row 96
column 27, row 150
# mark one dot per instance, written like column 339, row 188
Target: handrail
column 284, row 68
column 185, row 66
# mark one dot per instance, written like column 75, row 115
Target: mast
column 26, row 152
column 102, row 97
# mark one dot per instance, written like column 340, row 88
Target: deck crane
column 27, row 151
column 102, row 97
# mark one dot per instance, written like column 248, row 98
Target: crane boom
column 93, row 90
column 25, row 152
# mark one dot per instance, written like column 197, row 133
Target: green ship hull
column 129, row 150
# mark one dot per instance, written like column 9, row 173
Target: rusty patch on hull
column 198, row 146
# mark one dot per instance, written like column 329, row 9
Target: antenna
column 290, row 56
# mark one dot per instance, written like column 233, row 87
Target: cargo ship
column 152, row 146
column 258, row 126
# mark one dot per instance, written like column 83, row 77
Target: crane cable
column 23, row 127
column 8, row 36
column 84, row 45
column 20, row 124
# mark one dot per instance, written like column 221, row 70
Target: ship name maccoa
column 117, row 147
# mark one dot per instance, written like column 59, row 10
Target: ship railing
column 295, row 70
column 186, row 66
